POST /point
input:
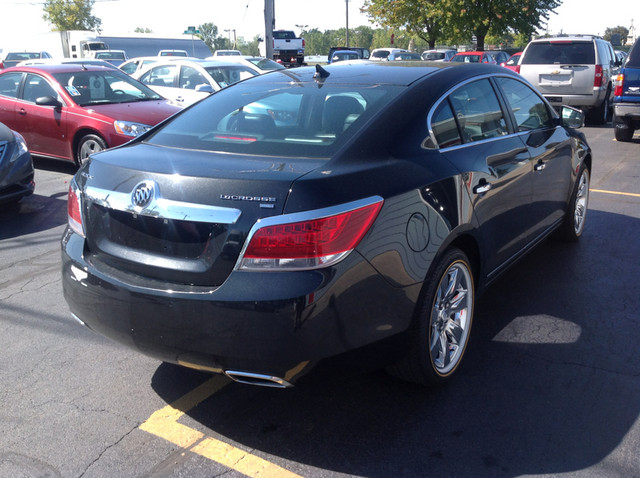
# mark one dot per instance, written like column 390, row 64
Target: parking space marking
column 164, row 424
column 635, row 195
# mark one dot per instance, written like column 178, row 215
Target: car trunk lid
column 170, row 219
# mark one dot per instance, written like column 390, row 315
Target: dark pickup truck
column 626, row 102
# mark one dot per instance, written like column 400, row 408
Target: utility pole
column 347, row 7
column 269, row 26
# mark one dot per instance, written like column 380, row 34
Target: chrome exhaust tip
column 257, row 379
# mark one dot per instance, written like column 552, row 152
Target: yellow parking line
column 164, row 424
column 615, row 192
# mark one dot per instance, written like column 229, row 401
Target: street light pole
column 347, row 15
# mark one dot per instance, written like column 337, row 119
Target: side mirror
column 205, row 88
column 571, row 117
column 48, row 101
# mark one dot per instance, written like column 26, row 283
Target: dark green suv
column 626, row 101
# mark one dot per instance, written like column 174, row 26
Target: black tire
column 602, row 113
column 573, row 226
column 88, row 145
column 623, row 134
column 443, row 324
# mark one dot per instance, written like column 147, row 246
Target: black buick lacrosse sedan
column 311, row 214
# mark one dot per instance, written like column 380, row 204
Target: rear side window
column 560, row 52
column 160, row 76
column 9, row 83
column 478, row 111
column 529, row 110
column 444, row 126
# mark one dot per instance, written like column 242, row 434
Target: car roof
column 400, row 73
column 61, row 68
column 567, row 38
column 194, row 61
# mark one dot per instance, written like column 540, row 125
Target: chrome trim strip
column 300, row 217
column 163, row 208
column 432, row 136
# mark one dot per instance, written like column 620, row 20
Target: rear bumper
column 277, row 324
column 577, row 101
column 627, row 110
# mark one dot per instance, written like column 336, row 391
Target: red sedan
column 68, row 111
column 474, row 57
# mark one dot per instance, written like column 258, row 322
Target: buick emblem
column 143, row 194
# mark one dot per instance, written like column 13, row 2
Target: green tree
column 361, row 36
column 426, row 19
column 70, row 15
column 482, row 17
column 456, row 21
column 143, row 30
column 208, row 34
column 618, row 32
column 317, row 42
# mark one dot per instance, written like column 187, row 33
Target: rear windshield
column 560, row 52
column 293, row 120
column 287, row 35
column 633, row 60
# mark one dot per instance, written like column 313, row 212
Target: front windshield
column 292, row 120
column 92, row 87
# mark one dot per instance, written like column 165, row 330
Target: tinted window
column 444, row 126
column 284, row 35
column 634, row 56
column 9, row 83
column 104, row 86
column 129, row 68
column 227, row 75
column 380, row 54
column 478, row 111
column 560, row 52
column 605, row 52
column 160, row 76
column 528, row 108
column 35, row 87
column 292, row 120
column 190, row 78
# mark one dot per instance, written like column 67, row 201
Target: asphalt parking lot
column 550, row 385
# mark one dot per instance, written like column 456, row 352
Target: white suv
column 576, row 71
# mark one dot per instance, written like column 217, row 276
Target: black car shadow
column 33, row 214
column 36, row 213
column 549, row 384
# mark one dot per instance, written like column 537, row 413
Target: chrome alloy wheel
column 88, row 148
column 581, row 202
column 451, row 318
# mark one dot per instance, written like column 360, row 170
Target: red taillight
column 619, row 85
column 517, row 69
column 74, row 214
column 310, row 243
column 597, row 81
column 303, row 43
